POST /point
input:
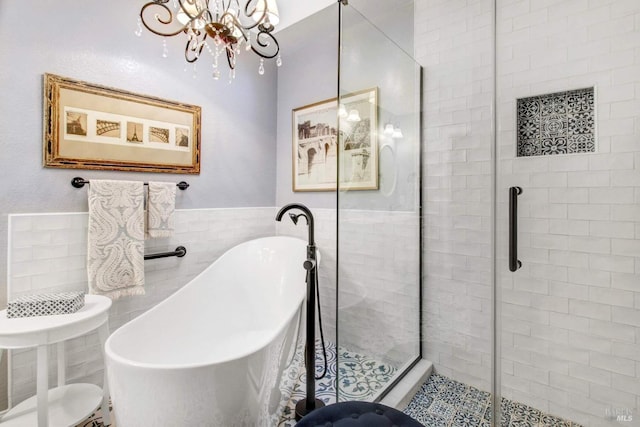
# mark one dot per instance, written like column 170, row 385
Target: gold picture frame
column 317, row 138
column 87, row 126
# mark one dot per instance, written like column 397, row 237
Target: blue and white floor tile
column 360, row 379
column 95, row 420
column 442, row 402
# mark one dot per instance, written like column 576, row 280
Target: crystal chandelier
column 221, row 27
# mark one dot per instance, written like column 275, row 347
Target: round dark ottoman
column 357, row 414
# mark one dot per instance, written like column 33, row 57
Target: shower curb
column 404, row 391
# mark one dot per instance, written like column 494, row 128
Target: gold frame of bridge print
column 87, row 126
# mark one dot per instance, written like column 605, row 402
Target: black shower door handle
column 514, row 262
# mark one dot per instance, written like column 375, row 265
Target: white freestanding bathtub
column 214, row 353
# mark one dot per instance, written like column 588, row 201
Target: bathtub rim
column 111, row 354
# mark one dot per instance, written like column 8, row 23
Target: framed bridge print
column 326, row 129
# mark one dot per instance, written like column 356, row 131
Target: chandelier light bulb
column 397, row 133
column 272, row 11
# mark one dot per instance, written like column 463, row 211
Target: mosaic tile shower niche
column 557, row 123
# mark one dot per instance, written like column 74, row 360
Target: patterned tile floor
column 360, row 379
column 442, row 402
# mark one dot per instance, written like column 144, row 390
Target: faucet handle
column 309, row 264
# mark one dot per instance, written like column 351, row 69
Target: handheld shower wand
column 310, row 403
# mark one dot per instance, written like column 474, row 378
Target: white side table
column 65, row 405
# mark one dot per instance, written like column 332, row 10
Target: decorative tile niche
column 557, row 123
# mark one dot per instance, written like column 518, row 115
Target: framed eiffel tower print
column 87, row 126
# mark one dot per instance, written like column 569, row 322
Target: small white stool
column 65, row 405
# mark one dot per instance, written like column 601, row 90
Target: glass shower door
column 568, row 217
column 379, row 224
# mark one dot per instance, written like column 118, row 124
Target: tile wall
column 556, row 123
column 378, row 279
column 454, row 45
column 571, row 316
column 48, row 254
column 325, row 236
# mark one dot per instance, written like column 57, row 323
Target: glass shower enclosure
column 567, row 194
column 532, row 141
column 378, row 203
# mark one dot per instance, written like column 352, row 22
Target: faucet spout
column 306, row 213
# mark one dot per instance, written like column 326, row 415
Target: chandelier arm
column 225, row 25
column 236, row 23
column 185, row 10
column 265, row 44
column 192, row 51
column 225, row 6
column 159, row 4
column 250, row 14
column 231, row 58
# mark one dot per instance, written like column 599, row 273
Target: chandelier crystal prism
column 222, row 27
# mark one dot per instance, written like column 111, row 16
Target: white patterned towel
column 115, row 260
column 161, row 205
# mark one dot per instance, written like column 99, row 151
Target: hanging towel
column 115, row 259
column 161, row 204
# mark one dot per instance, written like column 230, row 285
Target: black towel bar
column 179, row 252
column 79, row 182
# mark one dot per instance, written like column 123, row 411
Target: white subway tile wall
column 569, row 317
column 47, row 253
column 570, row 322
column 325, row 236
column 454, row 45
column 378, row 280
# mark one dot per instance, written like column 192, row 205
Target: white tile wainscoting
column 47, row 253
column 379, row 280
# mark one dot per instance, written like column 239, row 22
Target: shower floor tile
column 447, row 403
column 360, row 379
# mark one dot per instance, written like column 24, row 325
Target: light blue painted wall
column 309, row 74
column 94, row 41
column 369, row 59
